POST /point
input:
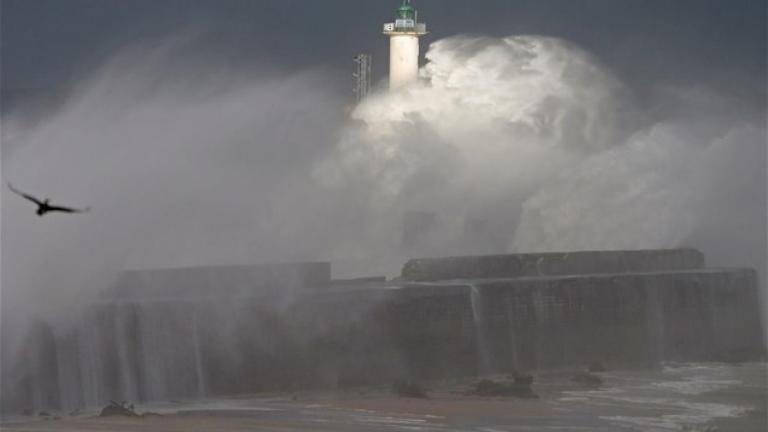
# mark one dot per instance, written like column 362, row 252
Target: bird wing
column 67, row 209
column 22, row 194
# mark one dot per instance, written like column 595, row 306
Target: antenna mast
column 363, row 76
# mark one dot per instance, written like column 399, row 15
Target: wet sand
column 364, row 410
column 456, row 408
column 172, row 423
column 373, row 413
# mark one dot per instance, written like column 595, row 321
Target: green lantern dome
column 406, row 11
column 406, row 22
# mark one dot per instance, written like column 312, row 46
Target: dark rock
column 44, row 414
column 597, row 367
column 587, row 378
column 522, row 379
column 521, row 387
column 409, row 389
column 737, row 356
column 115, row 409
column 488, row 388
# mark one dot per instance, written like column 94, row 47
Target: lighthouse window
column 405, row 23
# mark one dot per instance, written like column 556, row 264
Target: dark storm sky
column 48, row 44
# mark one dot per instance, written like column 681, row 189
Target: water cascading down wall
column 202, row 332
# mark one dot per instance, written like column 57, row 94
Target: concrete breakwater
column 195, row 333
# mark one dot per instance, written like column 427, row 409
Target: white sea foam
column 690, row 414
column 668, row 398
column 694, row 387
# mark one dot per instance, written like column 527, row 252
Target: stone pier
column 191, row 333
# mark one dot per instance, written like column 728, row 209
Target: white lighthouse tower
column 404, row 36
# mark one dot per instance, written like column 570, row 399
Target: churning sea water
column 679, row 397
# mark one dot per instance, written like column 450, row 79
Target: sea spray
column 484, row 355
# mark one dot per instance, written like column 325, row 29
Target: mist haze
column 180, row 170
column 189, row 166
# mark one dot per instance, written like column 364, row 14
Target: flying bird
column 44, row 206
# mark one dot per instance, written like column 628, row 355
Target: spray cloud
column 530, row 134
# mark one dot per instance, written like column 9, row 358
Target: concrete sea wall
column 195, row 333
column 551, row 264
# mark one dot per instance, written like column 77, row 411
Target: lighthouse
column 404, row 36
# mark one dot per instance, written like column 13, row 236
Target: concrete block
column 549, row 264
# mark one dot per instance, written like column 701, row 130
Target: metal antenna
column 363, row 76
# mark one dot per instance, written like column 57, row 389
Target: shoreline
column 700, row 396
